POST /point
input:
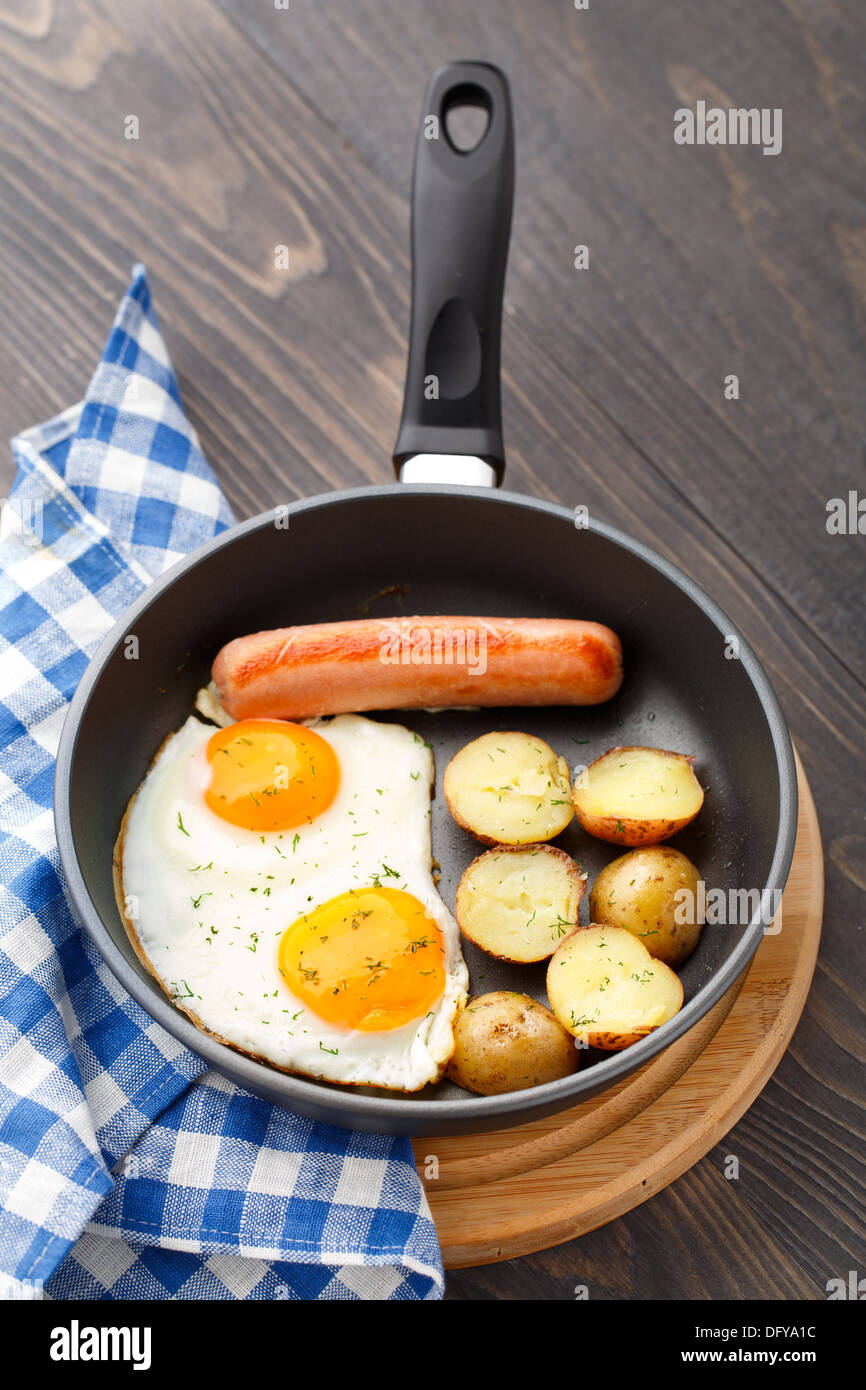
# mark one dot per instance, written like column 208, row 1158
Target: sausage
column 417, row 663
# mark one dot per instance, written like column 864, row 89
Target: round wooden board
column 520, row 1190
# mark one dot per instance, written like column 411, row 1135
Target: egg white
column 206, row 903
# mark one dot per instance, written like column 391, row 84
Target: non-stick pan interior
column 405, row 551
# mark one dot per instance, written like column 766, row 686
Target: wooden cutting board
column 520, row 1190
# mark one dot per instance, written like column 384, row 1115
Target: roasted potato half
column 509, row 789
column 517, row 902
column 653, row 893
column 637, row 796
column 507, row 1042
column 607, row 990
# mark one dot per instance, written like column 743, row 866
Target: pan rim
column 406, row 1115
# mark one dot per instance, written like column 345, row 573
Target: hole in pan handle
column 451, row 428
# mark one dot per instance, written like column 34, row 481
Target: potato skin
column 509, row 1042
column 620, row 830
column 619, row 827
column 638, row 892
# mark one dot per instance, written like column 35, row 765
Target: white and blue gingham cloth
column 127, row 1168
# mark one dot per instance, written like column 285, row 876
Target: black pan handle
column 461, row 221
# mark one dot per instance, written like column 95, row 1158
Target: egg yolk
column 370, row 959
column 267, row 774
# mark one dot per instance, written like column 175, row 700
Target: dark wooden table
column 261, row 127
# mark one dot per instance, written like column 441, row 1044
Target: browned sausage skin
column 417, row 663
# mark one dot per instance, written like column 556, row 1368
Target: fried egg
column 276, row 879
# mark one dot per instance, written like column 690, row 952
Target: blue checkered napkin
column 127, row 1169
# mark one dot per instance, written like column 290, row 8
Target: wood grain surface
column 261, row 127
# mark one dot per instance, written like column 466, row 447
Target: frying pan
column 444, row 540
